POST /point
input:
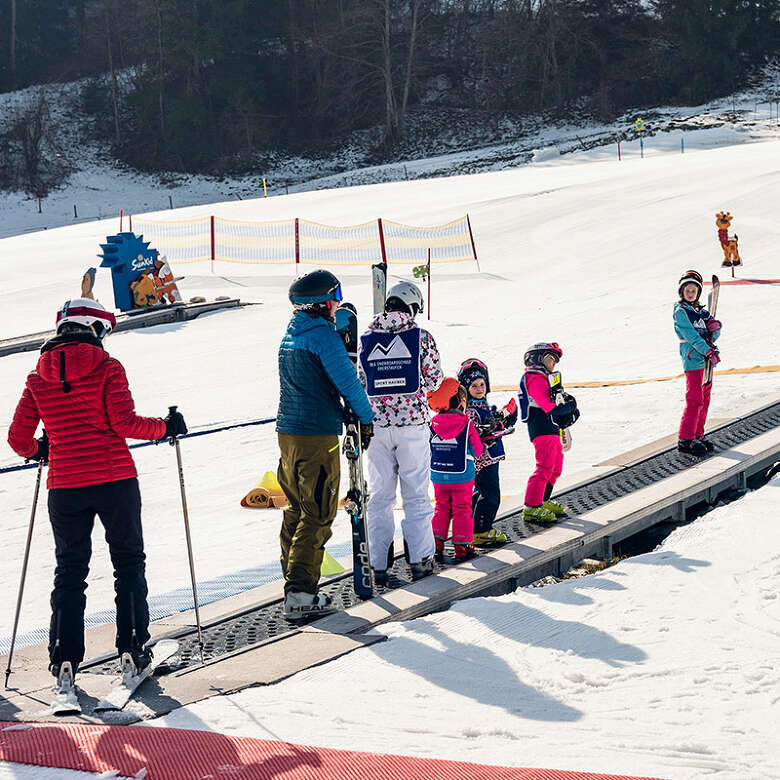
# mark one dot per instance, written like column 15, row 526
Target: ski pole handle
column 172, row 410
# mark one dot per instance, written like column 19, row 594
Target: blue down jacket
column 314, row 371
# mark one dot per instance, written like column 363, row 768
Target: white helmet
column 409, row 295
column 88, row 313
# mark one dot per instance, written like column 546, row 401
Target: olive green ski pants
column 309, row 473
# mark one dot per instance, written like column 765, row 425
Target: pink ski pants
column 549, row 464
column 453, row 501
column 697, row 403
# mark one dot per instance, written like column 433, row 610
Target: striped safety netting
column 179, row 754
column 304, row 241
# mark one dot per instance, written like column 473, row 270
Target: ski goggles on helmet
column 472, row 363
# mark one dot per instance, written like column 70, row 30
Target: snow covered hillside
column 583, row 251
column 663, row 665
column 99, row 188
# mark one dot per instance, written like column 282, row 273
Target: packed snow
column 667, row 664
column 627, row 671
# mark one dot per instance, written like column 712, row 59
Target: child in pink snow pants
column 549, row 465
column 455, row 444
column 545, row 419
column 698, row 331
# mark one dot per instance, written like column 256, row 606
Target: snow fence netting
column 304, row 241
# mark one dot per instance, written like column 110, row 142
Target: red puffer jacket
column 81, row 394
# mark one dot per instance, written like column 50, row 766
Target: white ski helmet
column 409, row 295
column 88, row 313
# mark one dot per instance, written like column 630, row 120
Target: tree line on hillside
column 207, row 85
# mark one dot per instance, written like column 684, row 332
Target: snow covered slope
column 584, row 252
column 667, row 664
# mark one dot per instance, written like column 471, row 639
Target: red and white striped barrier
column 178, row 754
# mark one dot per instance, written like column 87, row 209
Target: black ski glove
column 366, row 434
column 565, row 414
column 174, row 424
column 42, row 453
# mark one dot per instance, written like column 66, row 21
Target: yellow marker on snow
column 265, row 191
column 330, row 565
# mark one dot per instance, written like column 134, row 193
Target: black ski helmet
column 318, row 286
column 691, row 277
column 471, row 369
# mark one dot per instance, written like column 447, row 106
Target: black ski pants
column 486, row 498
column 72, row 514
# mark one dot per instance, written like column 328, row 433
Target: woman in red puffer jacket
column 81, row 395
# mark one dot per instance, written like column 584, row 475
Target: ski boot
column 141, row 658
column 707, row 443
column 65, row 701
column 691, row 447
column 422, row 569
column 464, row 552
column 558, row 509
column 301, row 606
column 381, row 578
column 491, row 538
column 63, row 670
column 439, row 554
column 538, row 514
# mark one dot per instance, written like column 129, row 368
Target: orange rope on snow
column 620, row 382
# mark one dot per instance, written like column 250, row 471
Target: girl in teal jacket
column 698, row 331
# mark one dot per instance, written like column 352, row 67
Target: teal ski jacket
column 690, row 325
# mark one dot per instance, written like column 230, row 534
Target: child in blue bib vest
column 697, row 330
column 455, row 444
column 492, row 424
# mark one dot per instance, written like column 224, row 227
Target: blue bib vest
column 391, row 362
column 450, row 456
column 495, row 450
column 699, row 320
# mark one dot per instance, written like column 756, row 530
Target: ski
column 712, row 305
column 355, row 505
column 379, row 286
column 66, row 701
column 124, row 690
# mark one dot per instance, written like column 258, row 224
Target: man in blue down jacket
column 314, row 373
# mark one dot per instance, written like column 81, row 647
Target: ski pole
column 175, row 443
column 24, row 571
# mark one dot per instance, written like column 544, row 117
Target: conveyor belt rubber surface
column 265, row 622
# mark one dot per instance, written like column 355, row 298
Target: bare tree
column 13, row 39
column 32, row 158
column 114, row 102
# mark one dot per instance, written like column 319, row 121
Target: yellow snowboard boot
column 491, row 538
column 558, row 509
column 538, row 514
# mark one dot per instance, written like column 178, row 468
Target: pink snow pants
column 697, row 404
column 549, row 464
column 454, row 501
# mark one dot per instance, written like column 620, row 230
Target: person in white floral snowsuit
column 399, row 363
